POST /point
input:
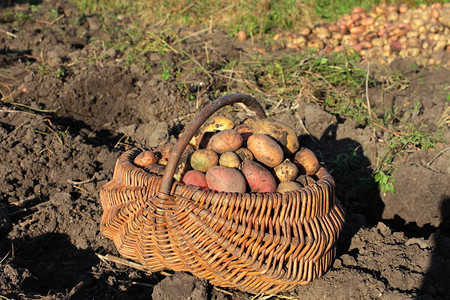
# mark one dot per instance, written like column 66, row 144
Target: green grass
column 333, row 81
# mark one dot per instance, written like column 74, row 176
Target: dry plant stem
column 8, row 33
column 299, row 118
column 115, row 259
column 367, row 91
column 223, row 291
column 437, row 155
column 397, row 133
column 80, row 182
column 75, row 289
column 17, row 128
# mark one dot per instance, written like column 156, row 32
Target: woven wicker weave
column 259, row 243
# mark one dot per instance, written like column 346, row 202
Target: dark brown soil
column 60, row 135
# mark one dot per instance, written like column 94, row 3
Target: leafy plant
column 166, row 71
column 385, row 182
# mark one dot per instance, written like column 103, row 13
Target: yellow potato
column 229, row 159
column 218, row 123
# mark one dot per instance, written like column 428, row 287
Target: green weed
column 166, row 71
column 60, row 73
column 396, row 144
column 385, row 181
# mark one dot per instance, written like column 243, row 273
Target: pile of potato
column 386, row 32
column 256, row 156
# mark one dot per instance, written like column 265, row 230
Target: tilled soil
column 65, row 119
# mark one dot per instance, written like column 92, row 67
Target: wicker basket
column 259, row 243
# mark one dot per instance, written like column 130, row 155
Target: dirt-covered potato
column 244, row 154
column 145, row 158
column 286, row 171
column 218, row 123
column 265, row 149
column 288, row 186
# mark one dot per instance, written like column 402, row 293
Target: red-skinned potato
column 227, row 140
column 265, row 149
column 195, row 178
column 223, row 179
column 258, row 178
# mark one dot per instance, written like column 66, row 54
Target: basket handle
column 192, row 128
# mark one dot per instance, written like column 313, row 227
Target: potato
column 145, row 158
column 249, row 120
column 229, row 159
column 227, row 140
column 280, row 132
column 258, row 178
column 218, row 123
column 223, row 179
column 245, row 130
column 203, row 159
column 195, row 178
column 288, row 186
column 265, row 149
column 244, row 154
column 306, row 161
column 286, row 171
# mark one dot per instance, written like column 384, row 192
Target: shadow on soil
column 437, row 279
column 54, row 263
column 355, row 187
column 6, row 3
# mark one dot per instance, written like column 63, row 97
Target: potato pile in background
column 386, row 32
column 256, row 156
